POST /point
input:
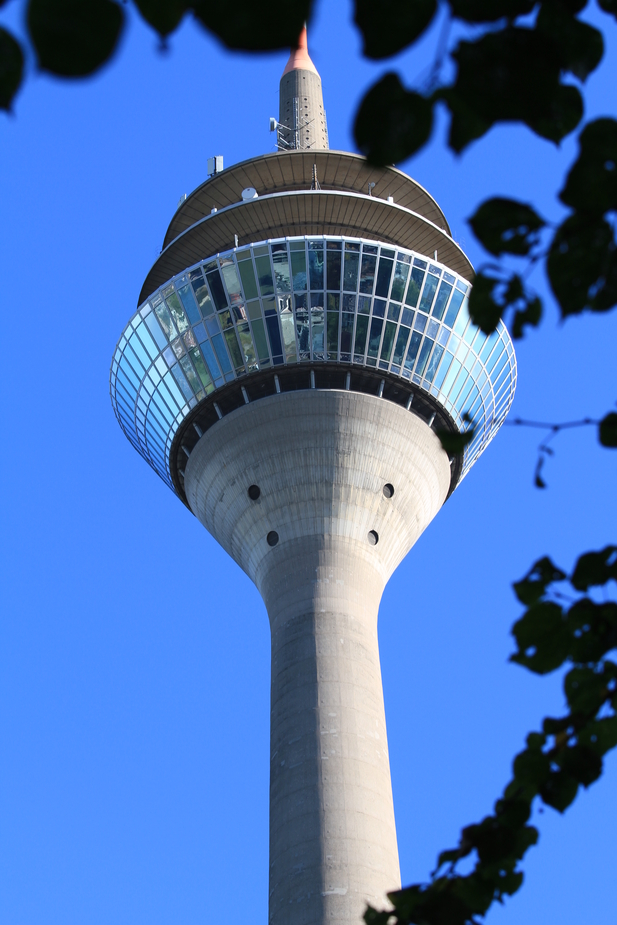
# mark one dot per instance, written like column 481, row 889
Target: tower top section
column 302, row 116
column 299, row 59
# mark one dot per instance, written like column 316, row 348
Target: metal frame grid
column 307, row 299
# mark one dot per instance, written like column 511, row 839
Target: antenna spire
column 302, row 117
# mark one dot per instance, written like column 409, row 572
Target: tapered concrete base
column 321, row 460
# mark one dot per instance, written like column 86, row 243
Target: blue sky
column 135, row 654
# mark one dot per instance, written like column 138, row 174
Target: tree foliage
column 522, row 61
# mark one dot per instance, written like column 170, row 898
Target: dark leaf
column 533, row 586
column 11, row 68
column 490, row 10
column 74, row 38
column 600, row 735
column 582, row 763
column 591, row 185
column 506, row 76
column 542, row 637
column 513, row 813
column 593, row 629
column 504, row 226
column 485, row 309
column 582, row 265
column 531, row 769
column 607, row 430
column 394, row 26
column 552, row 726
column 595, row 568
column 252, row 26
column 529, row 316
column 373, row 917
column 559, row 790
column 585, row 689
column 609, row 6
column 455, row 443
column 580, row 46
column 162, row 15
column 392, row 122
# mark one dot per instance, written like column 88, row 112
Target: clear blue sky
column 135, row 655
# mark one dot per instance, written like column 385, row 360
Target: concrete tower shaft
column 347, row 483
column 302, row 117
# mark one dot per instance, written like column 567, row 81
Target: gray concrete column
column 347, row 484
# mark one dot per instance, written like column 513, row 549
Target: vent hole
column 255, row 491
column 373, row 537
column 273, row 538
column 388, row 490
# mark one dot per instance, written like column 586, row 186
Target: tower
column 301, row 337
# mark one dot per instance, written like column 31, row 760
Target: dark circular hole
column 373, row 537
column 254, row 492
column 388, row 490
column 273, row 538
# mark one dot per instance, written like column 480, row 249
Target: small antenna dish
column 249, row 193
column 273, row 124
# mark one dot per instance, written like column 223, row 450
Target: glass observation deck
column 307, row 300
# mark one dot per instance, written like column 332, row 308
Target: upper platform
column 354, row 200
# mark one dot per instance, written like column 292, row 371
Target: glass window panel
column 384, row 275
column 302, row 332
column 361, row 332
column 190, row 374
column 470, row 333
column 333, row 300
column 298, row 270
column 234, row 350
column 374, row 337
column 442, row 298
column 401, row 273
column 393, row 311
column 379, row 308
column 296, row 245
column 388, row 340
column 463, row 318
column 177, row 347
column 180, row 378
column 444, row 334
column 408, row 317
column 458, row 385
column 269, row 307
column 499, row 367
column 333, row 258
column 401, row 344
column 443, row 369
column 177, row 312
column 200, row 332
column 202, row 370
column 166, row 323
column 453, row 307
column 427, row 346
column 280, row 261
column 364, row 305
column 350, row 276
column 332, row 333
column 432, row 366
column 130, row 357
column 259, row 336
column 317, row 333
column 415, row 285
column 254, row 310
column 232, row 281
column 138, row 347
column 316, row 266
column 479, row 341
column 367, row 272
column 289, row 338
column 203, row 296
column 420, row 322
column 275, row 336
column 225, row 319
column 248, row 279
column 147, row 341
column 412, row 352
column 346, row 332
column 428, row 293
column 490, row 343
column 216, row 288
column 221, row 353
column 247, row 346
column 352, row 246
column 189, row 339
column 495, row 356
column 433, row 327
column 462, row 398
column 190, row 306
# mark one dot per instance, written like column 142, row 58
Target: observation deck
column 327, row 288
